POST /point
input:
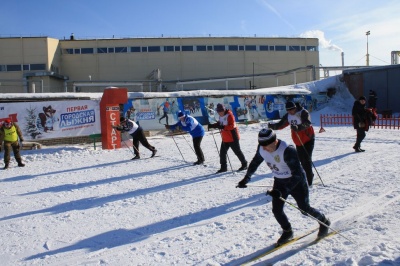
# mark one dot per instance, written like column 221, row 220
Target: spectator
column 10, row 133
column 360, row 115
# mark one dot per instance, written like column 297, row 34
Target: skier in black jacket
column 289, row 179
column 136, row 131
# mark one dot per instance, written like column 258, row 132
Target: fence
column 346, row 119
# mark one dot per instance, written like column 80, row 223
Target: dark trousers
column 138, row 136
column 235, row 146
column 197, row 148
column 360, row 136
column 7, row 150
column 305, row 156
column 300, row 194
column 164, row 116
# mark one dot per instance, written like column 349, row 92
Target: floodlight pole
column 367, row 33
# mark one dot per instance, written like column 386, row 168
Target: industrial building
column 44, row 64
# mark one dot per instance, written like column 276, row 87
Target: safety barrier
column 346, row 119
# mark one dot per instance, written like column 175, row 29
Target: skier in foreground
column 289, row 179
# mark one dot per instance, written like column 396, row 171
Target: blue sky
column 340, row 25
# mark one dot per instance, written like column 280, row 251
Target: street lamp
column 367, row 33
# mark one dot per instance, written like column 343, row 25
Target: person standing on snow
column 359, row 114
column 303, row 135
column 230, row 137
column 289, row 179
column 195, row 129
column 136, row 131
column 9, row 133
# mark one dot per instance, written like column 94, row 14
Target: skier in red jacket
column 303, row 135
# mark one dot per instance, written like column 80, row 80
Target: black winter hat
column 362, row 98
column 290, row 105
column 266, row 136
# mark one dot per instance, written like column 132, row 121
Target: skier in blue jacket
column 195, row 129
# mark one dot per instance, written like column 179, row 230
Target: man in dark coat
column 360, row 115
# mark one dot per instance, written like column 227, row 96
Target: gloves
column 211, row 126
column 294, row 128
column 243, row 182
column 276, row 194
column 221, row 126
column 119, row 128
column 167, row 126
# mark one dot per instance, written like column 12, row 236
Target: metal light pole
column 367, row 33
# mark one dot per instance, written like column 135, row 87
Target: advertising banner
column 54, row 119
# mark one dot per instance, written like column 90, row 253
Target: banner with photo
column 54, row 119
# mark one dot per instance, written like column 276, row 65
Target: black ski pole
column 133, row 145
column 189, row 145
column 305, row 150
column 227, row 156
column 123, row 141
column 216, row 145
column 303, row 212
column 176, row 144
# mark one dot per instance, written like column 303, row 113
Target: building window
column 14, row 68
column 77, row 51
column 154, row 49
column 241, row 47
column 263, row 47
column 168, row 48
column 87, row 50
column 144, row 49
column 272, row 48
column 38, row 66
column 25, row 67
column 251, row 48
column 312, row 48
column 177, row 48
column 219, row 47
column 209, row 48
column 121, row 49
column 187, row 48
column 294, row 48
column 110, row 50
column 201, row 48
column 135, row 49
column 303, row 48
column 280, row 47
column 233, row 48
column 68, row 51
column 101, row 50
column 3, row 68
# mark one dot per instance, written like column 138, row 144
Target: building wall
column 117, row 60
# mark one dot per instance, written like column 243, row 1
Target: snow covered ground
column 73, row 205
